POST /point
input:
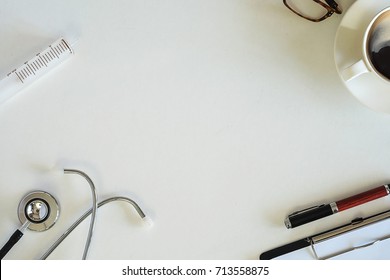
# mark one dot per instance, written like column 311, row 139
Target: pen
column 317, row 212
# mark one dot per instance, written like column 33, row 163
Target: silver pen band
column 334, row 207
column 387, row 189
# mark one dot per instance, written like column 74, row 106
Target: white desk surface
column 219, row 117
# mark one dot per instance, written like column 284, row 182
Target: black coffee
column 381, row 61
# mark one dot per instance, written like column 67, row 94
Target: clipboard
column 362, row 238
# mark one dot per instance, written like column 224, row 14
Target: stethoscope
column 39, row 211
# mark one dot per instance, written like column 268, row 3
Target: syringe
column 34, row 68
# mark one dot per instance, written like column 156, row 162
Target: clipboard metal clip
column 369, row 244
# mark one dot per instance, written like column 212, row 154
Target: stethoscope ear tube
column 15, row 237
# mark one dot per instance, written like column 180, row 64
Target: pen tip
column 287, row 223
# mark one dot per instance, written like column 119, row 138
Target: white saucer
column 367, row 88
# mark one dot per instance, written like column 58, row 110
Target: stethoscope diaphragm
column 40, row 209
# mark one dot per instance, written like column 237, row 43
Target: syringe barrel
column 34, row 68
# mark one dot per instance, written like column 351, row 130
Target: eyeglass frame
column 331, row 6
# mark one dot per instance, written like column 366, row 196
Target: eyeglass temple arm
column 334, row 6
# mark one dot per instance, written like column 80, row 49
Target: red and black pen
column 317, row 212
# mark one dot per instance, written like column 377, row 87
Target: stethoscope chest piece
column 39, row 209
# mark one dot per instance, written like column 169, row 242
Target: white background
column 219, row 117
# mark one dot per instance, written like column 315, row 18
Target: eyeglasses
column 313, row 10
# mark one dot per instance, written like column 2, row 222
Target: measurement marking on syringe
column 18, row 76
column 36, row 65
column 41, row 59
column 45, row 59
column 58, row 50
column 67, row 46
column 40, row 62
column 22, row 74
column 29, row 70
column 25, row 73
column 32, row 66
column 50, row 53
column 53, row 52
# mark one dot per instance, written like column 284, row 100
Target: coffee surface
column 379, row 45
column 381, row 61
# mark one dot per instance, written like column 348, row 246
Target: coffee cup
column 375, row 50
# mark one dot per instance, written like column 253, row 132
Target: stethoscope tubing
column 15, row 237
column 94, row 207
column 85, row 215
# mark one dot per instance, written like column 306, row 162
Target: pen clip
column 305, row 210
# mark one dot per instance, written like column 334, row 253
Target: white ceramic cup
column 376, row 42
